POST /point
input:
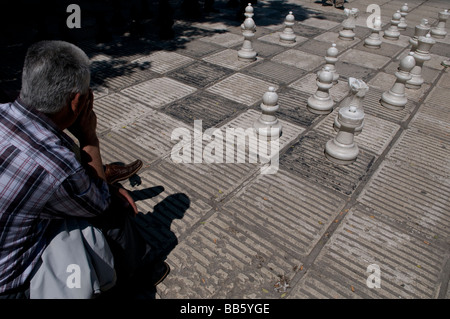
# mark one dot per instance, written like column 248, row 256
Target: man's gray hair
column 53, row 71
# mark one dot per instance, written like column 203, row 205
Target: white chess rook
column 358, row 89
column 393, row 33
column 246, row 53
column 331, row 59
column 404, row 12
column 395, row 98
column 420, row 30
column 439, row 32
column 374, row 41
column 321, row 102
column 342, row 149
column 288, row 35
column 267, row 124
column 421, row 55
column 348, row 25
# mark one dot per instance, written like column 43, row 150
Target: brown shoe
column 159, row 272
column 339, row 3
column 116, row 173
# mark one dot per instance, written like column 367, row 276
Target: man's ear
column 76, row 104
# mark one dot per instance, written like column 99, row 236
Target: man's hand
column 128, row 198
column 84, row 128
column 125, row 198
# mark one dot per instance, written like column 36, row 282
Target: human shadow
column 155, row 227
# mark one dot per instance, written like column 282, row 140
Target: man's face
column 78, row 104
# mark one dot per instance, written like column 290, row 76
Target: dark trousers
column 131, row 252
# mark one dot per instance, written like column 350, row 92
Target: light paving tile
column 333, row 37
column 365, row 59
column 410, row 263
column 438, row 96
column 412, row 186
column 164, row 61
column 241, row 88
column 116, row 110
column 319, row 23
column 432, row 125
column 226, row 39
column 158, row 92
column 299, row 59
column 147, row 138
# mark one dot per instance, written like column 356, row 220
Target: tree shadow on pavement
column 122, row 30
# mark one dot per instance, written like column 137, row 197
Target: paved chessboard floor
column 228, row 230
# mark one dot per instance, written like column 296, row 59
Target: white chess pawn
column 395, row 98
column 421, row 55
column 342, row 149
column 331, row 59
column 321, row 102
column 348, row 25
column 393, row 33
column 404, row 12
column 288, row 35
column 439, row 32
column 267, row 124
column 374, row 40
column 358, row 89
column 420, row 30
column 246, row 53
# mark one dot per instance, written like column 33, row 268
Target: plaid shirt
column 40, row 181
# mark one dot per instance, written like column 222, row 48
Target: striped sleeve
column 80, row 196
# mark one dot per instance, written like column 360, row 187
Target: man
column 41, row 180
